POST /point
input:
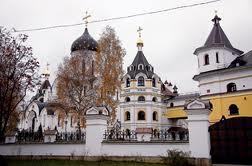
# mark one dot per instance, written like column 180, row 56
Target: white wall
column 141, row 149
column 217, row 83
column 108, row 149
column 225, row 58
column 43, row 149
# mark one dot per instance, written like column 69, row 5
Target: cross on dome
column 139, row 31
column 139, row 40
column 86, row 18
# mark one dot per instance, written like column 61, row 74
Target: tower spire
column 46, row 72
column 216, row 19
column 139, row 40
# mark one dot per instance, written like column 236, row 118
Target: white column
column 199, row 138
column 95, row 128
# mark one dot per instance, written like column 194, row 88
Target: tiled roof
column 243, row 60
column 140, row 59
column 217, row 38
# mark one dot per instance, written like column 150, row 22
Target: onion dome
column 84, row 42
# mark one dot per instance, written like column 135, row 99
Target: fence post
column 198, row 123
column 96, row 124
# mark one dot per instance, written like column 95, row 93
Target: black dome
column 84, row 42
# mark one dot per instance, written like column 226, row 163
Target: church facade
column 148, row 103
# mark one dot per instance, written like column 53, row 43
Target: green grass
column 76, row 163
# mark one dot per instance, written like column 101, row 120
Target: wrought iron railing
column 124, row 135
column 25, row 136
column 69, row 137
column 165, row 135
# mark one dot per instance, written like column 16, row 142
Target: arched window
column 153, row 82
column 127, row 115
column 140, row 81
column 154, row 116
column 140, row 67
column 171, row 105
column 128, row 82
column 127, row 99
column 231, row 87
column 141, row 115
column 206, row 59
column 217, row 57
column 154, row 99
column 233, row 109
column 141, row 98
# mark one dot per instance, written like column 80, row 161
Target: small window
column 206, row 59
column 140, row 67
column 71, row 121
column 141, row 98
column 233, row 109
column 153, row 82
column 131, row 68
column 141, row 115
column 140, row 81
column 208, row 91
column 127, row 99
column 171, row 104
column 217, row 57
column 154, row 99
column 127, row 116
column 59, row 124
column 154, row 116
column 128, row 82
column 231, row 87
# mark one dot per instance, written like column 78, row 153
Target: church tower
column 85, row 47
column 140, row 101
column 217, row 52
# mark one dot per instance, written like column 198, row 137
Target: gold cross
column 139, row 31
column 86, row 18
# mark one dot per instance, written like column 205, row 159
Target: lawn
column 76, row 163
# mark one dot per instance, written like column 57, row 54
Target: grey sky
column 169, row 38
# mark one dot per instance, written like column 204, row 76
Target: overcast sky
column 170, row 38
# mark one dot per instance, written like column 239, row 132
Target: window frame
column 140, row 81
column 141, row 117
column 206, row 59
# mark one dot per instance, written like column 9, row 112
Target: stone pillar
column 96, row 124
column 198, row 123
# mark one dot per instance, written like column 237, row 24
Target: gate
column 231, row 141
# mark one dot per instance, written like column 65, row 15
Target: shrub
column 176, row 158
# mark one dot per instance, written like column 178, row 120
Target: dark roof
column 166, row 92
column 217, row 38
column 243, row 60
column 140, row 59
column 84, row 42
column 41, row 105
column 45, row 85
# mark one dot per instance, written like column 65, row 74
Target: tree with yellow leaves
column 109, row 61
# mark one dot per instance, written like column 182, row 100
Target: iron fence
column 165, row 135
column 25, row 136
column 124, row 135
column 71, row 137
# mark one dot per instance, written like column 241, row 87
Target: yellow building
column 224, row 77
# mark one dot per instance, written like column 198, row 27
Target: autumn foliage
column 87, row 79
column 109, row 61
column 18, row 75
